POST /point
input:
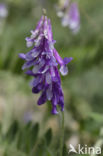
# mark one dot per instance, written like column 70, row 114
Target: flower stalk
column 61, row 133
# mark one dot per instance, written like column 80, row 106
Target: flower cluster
column 42, row 63
column 69, row 13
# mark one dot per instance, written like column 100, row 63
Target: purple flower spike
column 42, row 64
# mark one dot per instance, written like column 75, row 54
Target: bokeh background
column 30, row 130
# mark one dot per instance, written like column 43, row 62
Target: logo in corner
column 84, row 149
column 72, row 149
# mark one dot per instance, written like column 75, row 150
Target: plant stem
column 44, row 11
column 61, row 133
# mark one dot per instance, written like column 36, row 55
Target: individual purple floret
column 74, row 18
column 3, row 10
column 41, row 62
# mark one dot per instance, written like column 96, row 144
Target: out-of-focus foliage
column 23, row 140
column 83, row 87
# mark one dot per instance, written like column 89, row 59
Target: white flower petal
column 64, row 70
column 36, row 69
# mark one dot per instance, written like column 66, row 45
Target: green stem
column 61, row 133
column 44, row 11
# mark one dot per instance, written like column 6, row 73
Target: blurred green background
column 83, row 87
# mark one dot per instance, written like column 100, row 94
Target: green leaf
column 11, row 134
column 48, row 136
column 65, row 151
column 34, row 134
column 27, row 137
column 39, row 149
